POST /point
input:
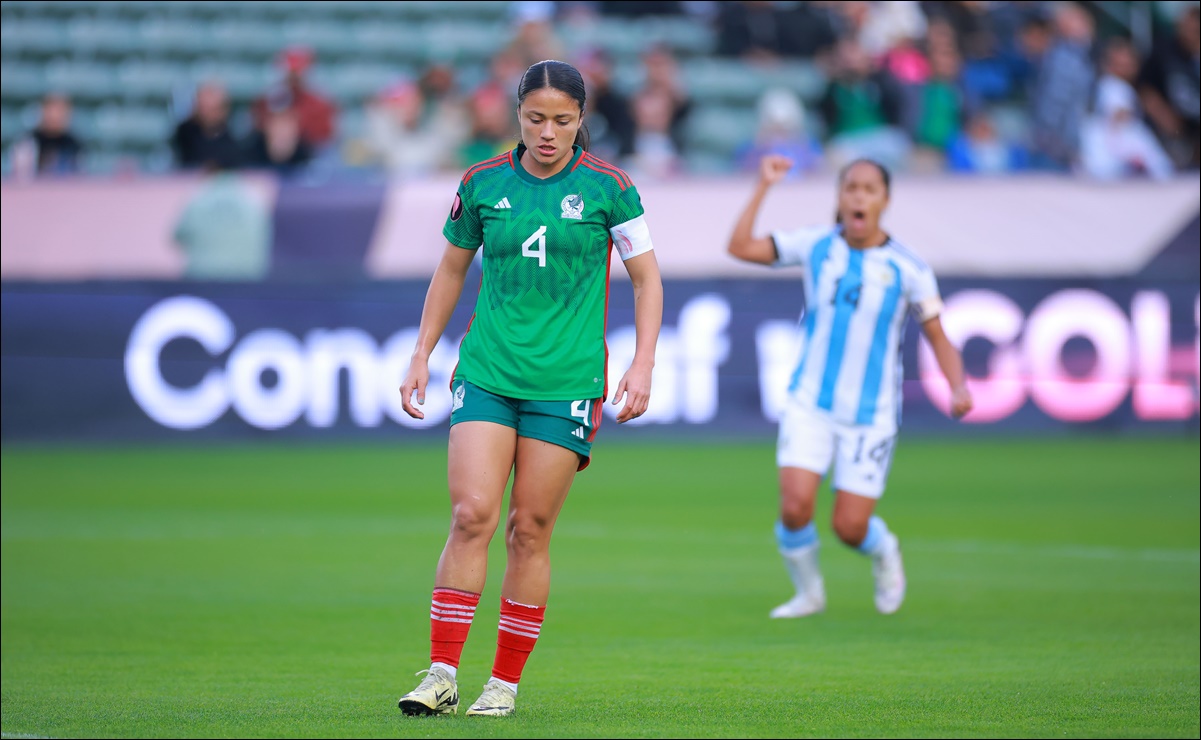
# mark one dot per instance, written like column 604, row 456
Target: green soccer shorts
column 570, row 424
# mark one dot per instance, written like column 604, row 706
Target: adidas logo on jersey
column 504, row 203
column 578, row 433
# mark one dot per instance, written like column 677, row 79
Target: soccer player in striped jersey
column 844, row 401
column 531, row 380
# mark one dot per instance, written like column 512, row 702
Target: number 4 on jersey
column 535, row 246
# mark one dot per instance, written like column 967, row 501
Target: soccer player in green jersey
column 531, row 380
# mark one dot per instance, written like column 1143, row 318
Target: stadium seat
column 355, row 82
column 183, row 38
column 129, row 9
column 37, row 38
column 108, row 38
column 389, row 39
column 457, row 42
column 243, row 80
column 245, row 38
column 22, row 81
column 130, row 127
column 723, row 80
column 140, row 80
column 802, row 77
column 325, row 39
column 719, row 130
column 10, row 126
column 81, row 79
column 476, row 10
column 683, row 35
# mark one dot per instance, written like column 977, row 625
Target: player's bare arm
column 648, row 318
column 951, row 364
column 744, row 245
column 440, row 301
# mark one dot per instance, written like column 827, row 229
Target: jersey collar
column 515, row 159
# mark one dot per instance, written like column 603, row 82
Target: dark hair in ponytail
column 885, row 175
column 560, row 76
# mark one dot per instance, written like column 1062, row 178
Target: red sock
column 450, row 620
column 515, row 639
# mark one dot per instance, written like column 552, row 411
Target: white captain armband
column 632, row 238
column 925, row 310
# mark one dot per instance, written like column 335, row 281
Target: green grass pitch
column 273, row 590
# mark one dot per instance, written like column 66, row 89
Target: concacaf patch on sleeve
column 456, row 208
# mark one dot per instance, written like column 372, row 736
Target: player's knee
column 470, row 520
column 795, row 513
column 850, row 529
column 527, row 535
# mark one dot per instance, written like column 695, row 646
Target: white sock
column 446, row 667
column 802, row 566
column 878, row 541
column 506, row 683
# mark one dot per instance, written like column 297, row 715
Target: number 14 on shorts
column 581, row 410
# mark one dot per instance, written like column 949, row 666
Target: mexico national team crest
column 458, row 397
column 573, row 207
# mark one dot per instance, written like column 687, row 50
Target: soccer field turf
column 272, row 590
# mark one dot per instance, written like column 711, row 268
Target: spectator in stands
column 655, row 152
column 781, row 131
column 492, row 129
column 401, row 136
column 610, row 122
column 313, row 113
column 862, row 111
column 765, row 30
column 1064, row 85
column 639, row 9
column 1025, row 59
column 534, row 35
column 985, row 74
column 978, row 149
column 809, row 29
column 907, row 65
column 1114, row 141
column 663, row 77
column 445, row 107
column 1170, row 90
column 881, row 25
column 279, row 143
column 941, row 104
column 971, row 22
column 56, row 151
column 224, row 231
column 204, row 138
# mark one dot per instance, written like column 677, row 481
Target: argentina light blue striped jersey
column 856, row 303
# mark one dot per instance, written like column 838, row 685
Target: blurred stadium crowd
column 1105, row 89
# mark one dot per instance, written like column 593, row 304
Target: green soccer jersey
column 538, row 332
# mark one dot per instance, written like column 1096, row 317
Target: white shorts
column 811, row 440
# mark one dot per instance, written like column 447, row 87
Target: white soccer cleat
column 801, row 605
column 496, row 701
column 890, row 578
column 436, row 694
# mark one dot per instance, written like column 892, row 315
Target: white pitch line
column 21, row 736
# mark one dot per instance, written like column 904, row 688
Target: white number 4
column 535, row 246
column 580, row 409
